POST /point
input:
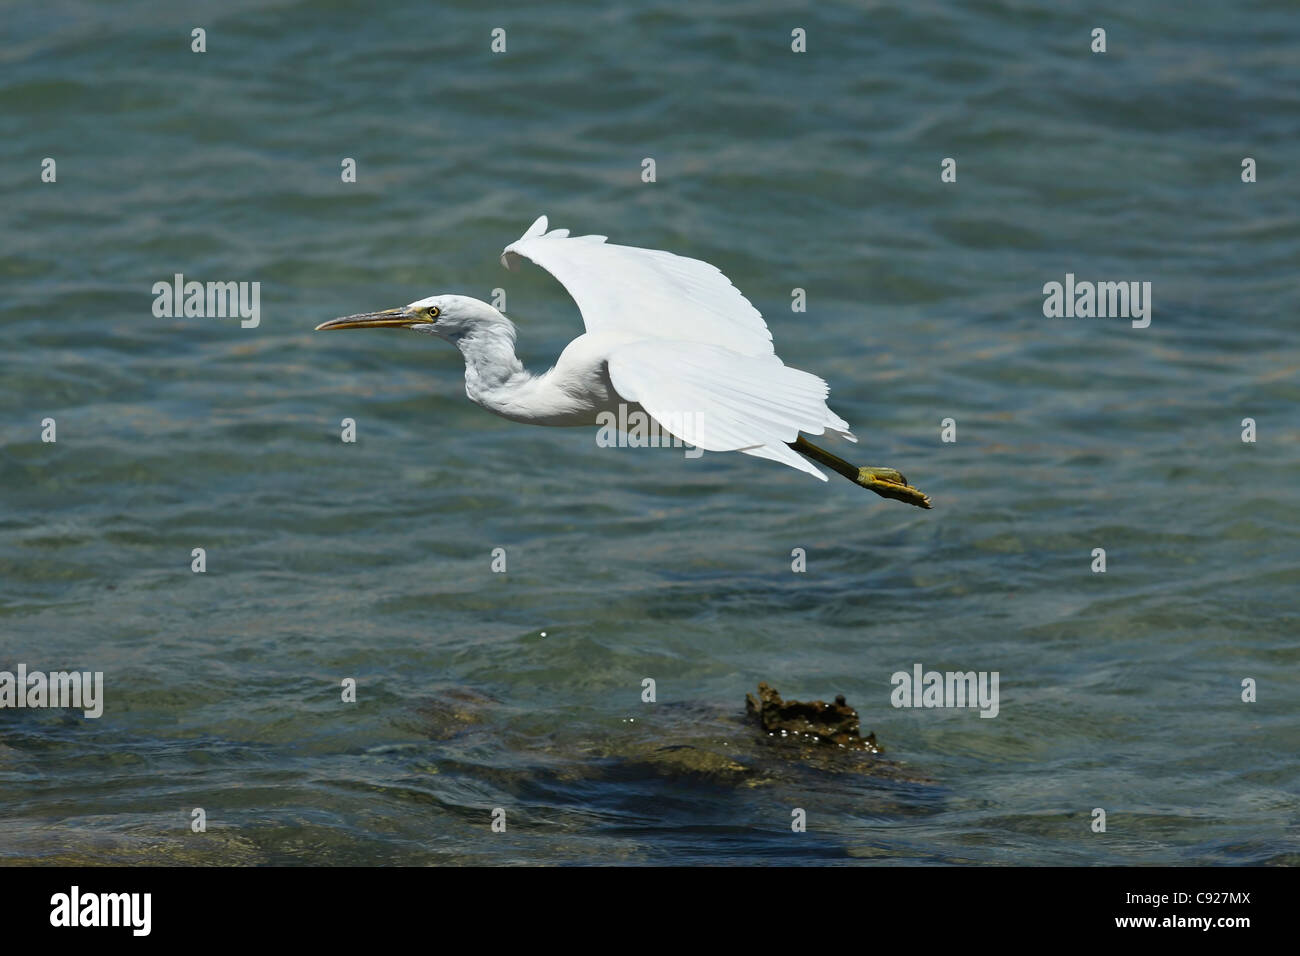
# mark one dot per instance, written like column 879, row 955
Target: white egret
column 667, row 336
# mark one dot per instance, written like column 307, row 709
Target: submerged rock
column 782, row 743
column 453, row 711
column 814, row 721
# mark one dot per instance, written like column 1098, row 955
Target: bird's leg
column 886, row 482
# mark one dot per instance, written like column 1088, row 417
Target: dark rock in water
column 453, row 711
column 785, row 744
column 815, row 721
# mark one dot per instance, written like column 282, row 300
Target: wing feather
column 655, row 293
column 719, row 400
column 693, row 352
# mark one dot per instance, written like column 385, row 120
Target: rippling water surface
column 371, row 560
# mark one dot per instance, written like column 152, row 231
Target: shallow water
column 372, row 560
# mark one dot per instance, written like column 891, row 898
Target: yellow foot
column 889, row 483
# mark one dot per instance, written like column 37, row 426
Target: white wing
column 663, row 295
column 719, row 400
column 700, row 357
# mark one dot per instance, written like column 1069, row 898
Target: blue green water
column 816, row 170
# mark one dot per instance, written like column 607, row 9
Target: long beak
column 388, row 319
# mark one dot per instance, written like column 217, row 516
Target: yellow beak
column 388, row 319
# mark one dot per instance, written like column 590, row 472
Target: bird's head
column 451, row 317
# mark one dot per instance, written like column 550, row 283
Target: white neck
column 490, row 360
column 496, row 380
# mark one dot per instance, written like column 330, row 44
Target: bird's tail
column 885, row 482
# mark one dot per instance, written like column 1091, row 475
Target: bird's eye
column 433, row 311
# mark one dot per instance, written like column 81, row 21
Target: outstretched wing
column 700, row 357
column 662, row 295
column 719, row 400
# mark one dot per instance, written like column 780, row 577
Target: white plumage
column 666, row 335
column 683, row 343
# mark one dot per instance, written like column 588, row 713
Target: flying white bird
column 667, row 336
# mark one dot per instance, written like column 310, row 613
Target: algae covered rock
column 813, row 721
